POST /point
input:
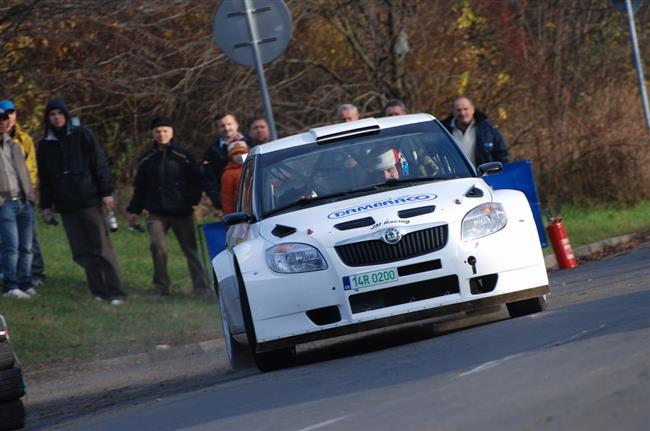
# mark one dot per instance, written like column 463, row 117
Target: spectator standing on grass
column 347, row 112
column 258, row 131
column 216, row 157
column 237, row 152
column 394, row 107
column 75, row 180
column 471, row 128
column 16, row 216
column 27, row 146
column 168, row 184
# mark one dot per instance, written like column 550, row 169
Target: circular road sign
column 273, row 29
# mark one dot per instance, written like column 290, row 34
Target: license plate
column 367, row 279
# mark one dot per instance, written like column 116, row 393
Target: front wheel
column 239, row 356
column 526, row 306
column 265, row 361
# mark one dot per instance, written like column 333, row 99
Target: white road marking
column 323, row 424
column 491, row 364
column 487, row 365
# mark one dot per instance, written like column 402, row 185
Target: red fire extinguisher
column 561, row 245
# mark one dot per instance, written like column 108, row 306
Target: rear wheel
column 265, row 361
column 239, row 356
column 12, row 386
column 7, row 358
column 12, row 415
column 526, row 306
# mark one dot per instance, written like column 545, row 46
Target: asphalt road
column 584, row 364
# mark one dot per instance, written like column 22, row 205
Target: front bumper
column 444, row 310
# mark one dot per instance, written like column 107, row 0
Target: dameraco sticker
column 363, row 208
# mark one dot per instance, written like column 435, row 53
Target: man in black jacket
column 481, row 141
column 167, row 185
column 75, row 180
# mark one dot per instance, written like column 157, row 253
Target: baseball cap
column 7, row 105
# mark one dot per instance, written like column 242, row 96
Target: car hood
column 356, row 219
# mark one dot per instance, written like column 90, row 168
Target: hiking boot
column 16, row 293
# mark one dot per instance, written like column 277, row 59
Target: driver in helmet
column 388, row 163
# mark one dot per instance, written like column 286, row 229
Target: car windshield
column 319, row 173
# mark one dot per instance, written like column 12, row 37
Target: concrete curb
column 587, row 250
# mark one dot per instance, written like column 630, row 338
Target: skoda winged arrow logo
column 392, row 236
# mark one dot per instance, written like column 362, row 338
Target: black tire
column 12, row 415
column 7, row 358
column 526, row 306
column 12, row 386
column 239, row 356
column 265, row 361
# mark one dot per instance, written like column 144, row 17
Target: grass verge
column 64, row 324
column 587, row 225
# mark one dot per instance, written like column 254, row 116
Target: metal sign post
column 626, row 6
column 253, row 33
column 259, row 67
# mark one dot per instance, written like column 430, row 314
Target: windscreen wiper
column 399, row 181
column 302, row 202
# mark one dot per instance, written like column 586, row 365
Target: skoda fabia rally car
column 364, row 225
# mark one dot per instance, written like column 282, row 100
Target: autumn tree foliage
column 556, row 76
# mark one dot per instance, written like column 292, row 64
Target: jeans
column 38, row 265
column 16, row 234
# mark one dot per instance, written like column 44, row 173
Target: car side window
column 245, row 195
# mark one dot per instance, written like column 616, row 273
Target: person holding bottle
column 75, row 180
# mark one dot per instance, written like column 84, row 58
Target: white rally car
column 364, row 225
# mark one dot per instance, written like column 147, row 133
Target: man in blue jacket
column 481, row 141
column 76, row 181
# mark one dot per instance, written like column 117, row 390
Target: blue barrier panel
column 519, row 176
column 215, row 237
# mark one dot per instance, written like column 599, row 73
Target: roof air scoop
column 344, row 130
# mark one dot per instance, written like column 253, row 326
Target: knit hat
column 161, row 121
column 237, row 147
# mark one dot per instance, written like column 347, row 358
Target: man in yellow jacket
column 26, row 144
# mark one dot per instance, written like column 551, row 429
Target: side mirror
column 236, row 218
column 490, row 168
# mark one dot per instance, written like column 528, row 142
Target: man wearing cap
column 27, row 146
column 75, row 180
column 16, row 216
column 168, row 183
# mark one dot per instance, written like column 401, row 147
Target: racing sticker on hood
column 363, row 208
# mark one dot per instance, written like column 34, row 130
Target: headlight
column 294, row 257
column 483, row 220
